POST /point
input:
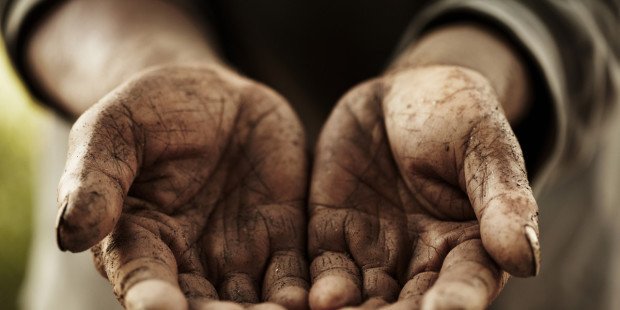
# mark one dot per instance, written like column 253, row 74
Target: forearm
column 84, row 49
column 477, row 48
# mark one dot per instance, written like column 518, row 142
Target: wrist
column 82, row 50
column 479, row 49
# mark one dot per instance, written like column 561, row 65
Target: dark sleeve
column 17, row 19
column 572, row 48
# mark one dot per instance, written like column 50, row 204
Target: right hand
column 190, row 184
column 419, row 196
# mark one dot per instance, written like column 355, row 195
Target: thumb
column 499, row 191
column 101, row 164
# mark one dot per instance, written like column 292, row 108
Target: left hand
column 195, row 179
column 419, row 196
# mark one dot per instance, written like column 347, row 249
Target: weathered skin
column 200, row 177
column 419, row 195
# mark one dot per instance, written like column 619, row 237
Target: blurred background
column 19, row 126
column 33, row 146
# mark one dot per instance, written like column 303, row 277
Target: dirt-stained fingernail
column 59, row 225
column 532, row 238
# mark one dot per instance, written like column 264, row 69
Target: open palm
column 419, row 195
column 190, row 184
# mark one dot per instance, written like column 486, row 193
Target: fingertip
column 239, row 287
column 84, row 219
column 196, row 286
column 286, row 280
column 155, row 295
column 509, row 234
column 333, row 292
column 214, row 305
column 380, row 285
column 292, row 297
column 456, row 295
column 267, row 306
column 513, row 252
column 418, row 285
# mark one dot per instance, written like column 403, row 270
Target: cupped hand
column 419, row 196
column 190, row 183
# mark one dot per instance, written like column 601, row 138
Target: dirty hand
column 190, row 184
column 419, row 196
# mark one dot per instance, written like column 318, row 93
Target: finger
column 239, row 287
column 141, row 267
column 196, row 287
column 101, row 164
column 411, row 294
column 499, row 190
column 237, row 246
column 469, row 279
column 266, row 306
column 336, row 281
column 285, row 280
column 227, row 305
column 155, row 294
column 380, row 285
column 204, row 304
column 418, row 285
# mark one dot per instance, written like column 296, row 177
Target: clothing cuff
column 20, row 19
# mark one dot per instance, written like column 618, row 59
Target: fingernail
column 530, row 233
column 59, row 223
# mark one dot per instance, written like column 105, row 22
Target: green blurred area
column 18, row 131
